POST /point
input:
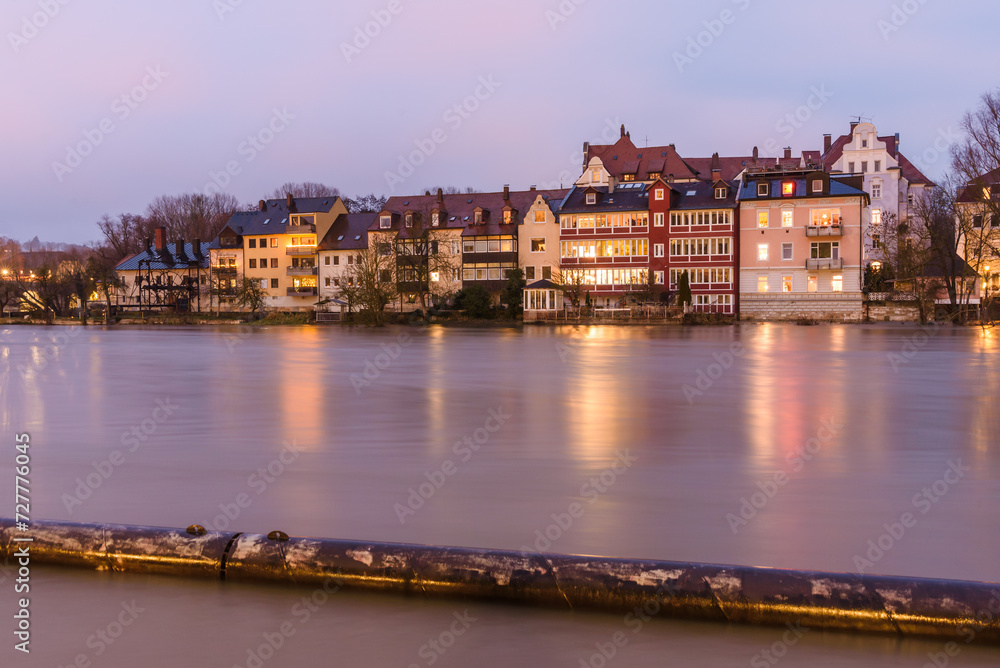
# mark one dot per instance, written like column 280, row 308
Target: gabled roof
column 348, row 232
column 156, row 262
column 460, row 210
column 973, row 191
column 729, row 166
column 909, row 171
column 623, row 157
column 274, row 218
column 544, row 284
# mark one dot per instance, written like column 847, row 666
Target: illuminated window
column 274, row 243
column 628, row 177
column 538, row 245
column 762, row 252
column 658, row 194
column 539, row 215
column 786, row 250
column 876, row 266
column 838, row 283
column 825, row 217
column 658, row 277
column 876, row 216
column 595, row 175
column 762, row 219
column 762, row 284
column 787, row 218
column 507, row 216
column 788, row 188
column 813, row 283
column 435, row 276
column 786, row 283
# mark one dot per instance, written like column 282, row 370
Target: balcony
column 300, row 250
column 825, row 263
column 301, row 271
column 302, row 292
column 300, row 229
column 825, row 230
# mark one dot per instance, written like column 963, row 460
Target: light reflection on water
column 576, row 396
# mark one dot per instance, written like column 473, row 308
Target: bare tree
column 191, row 216
column 304, row 189
column 370, row 283
column 369, row 203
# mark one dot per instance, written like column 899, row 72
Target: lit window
column 786, row 283
column 762, row 284
column 813, row 283
column 762, row 219
column 658, row 277
column 628, row 177
column 539, row 215
column 788, row 188
column 595, row 175
column 591, row 198
column 787, row 218
column 538, row 245
column 507, row 214
column 876, row 266
column 825, row 217
column 274, row 243
column 762, row 252
column 876, row 216
column 435, row 276
column 786, row 250
column 658, row 194
column 838, row 283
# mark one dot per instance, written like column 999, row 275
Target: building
column 538, row 237
column 279, row 246
column 165, row 275
column 800, row 245
column 338, row 252
column 977, row 228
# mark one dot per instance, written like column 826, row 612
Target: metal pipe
column 947, row 609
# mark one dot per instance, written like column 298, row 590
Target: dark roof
column 169, row 260
column 701, row 195
column 544, row 284
column 973, row 192
column 348, row 232
column 461, row 207
column 274, row 218
column 729, row 166
column 625, row 197
column 837, row 188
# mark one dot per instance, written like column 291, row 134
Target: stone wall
column 847, row 307
column 893, row 311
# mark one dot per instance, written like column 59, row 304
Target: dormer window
column 654, row 175
column 435, row 219
column 409, row 220
column 591, row 198
column 385, row 222
column 762, row 189
column 628, row 177
column 787, row 188
column 721, row 192
column 658, row 194
column 508, row 216
column 817, row 186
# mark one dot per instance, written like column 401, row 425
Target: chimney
column 895, row 153
column 179, row 251
column 262, row 205
column 196, row 249
column 440, row 199
column 623, row 129
column 160, row 236
column 854, row 124
column 532, row 188
column 827, row 144
column 611, row 184
column 149, row 246
column 586, row 150
column 788, row 153
column 716, row 168
column 755, row 154
column 506, row 193
column 670, row 178
column 289, row 201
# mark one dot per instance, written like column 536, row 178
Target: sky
column 109, row 104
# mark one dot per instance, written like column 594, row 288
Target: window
column 658, row 194
column 786, row 283
column 595, row 175
column 529, row 273
column 628, row 177
column 817, row 186
column 252, row 243
column 762, row 284
column 878, row 165
column 977, row 221
column 658, row 277
column 822, row 250
column 409, row 220
column 435, row 276
column 539, row 215
column 385, row 222
column 787, row 250
column 591, row 198
column 788, row 188
column 507, row 216
column 547, row 272
column 813, row 284
column 326, row 260
column 657, row 250
column 876, row 189
column 477, row 218
column 838, row 283
column 274, row 243
column 456, row 247
column 876, row 216
column 762, row 252
column 350, row 259
column 658, row 219
column 909, row 198
column 876, row 266
column 762, row 219
column 720, row 192
column 336, row 260
column 876, row 240
column 824, row 217
column 327, row 281
column 864, row 143
column 538, row 245
column 253, row 264
column 850, row 167
column 263, row 284
column 435, row 219
column 787, row 217
column 274, row 263
column 864, row 166
column 762, row 190
column 274, row 283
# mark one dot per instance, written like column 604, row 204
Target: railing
column 825, row 230
column 825, row 263
column 892, row 297
column 302, row 292
column 300, row 229
column 300, row 250
column 301, row 271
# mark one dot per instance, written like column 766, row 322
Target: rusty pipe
column 947, row 609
